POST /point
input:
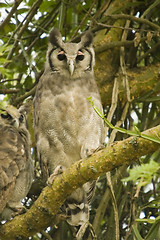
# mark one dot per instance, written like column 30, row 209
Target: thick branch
column 116, row 44
column 142, row 80
column 41, row 213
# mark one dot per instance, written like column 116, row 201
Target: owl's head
column 14, row 117
column 70, row 59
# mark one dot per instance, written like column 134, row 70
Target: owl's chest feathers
column 69, row 92
column 58, row 83
column 66, row 107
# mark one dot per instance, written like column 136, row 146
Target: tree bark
column 142, row 81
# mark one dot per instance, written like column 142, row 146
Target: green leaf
column 5, row 72
column 4, row 60
column 5, row 48
column 22, row 10
column 143, row 174
column 122, row 130
column 136, row 233
column 4, row 5
column 157, row 140
column 154, row 231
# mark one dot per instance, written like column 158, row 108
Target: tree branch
column 30, row 15
column 8, row 91
column 143, row 80
column 27, row 94
column 133, row 18
column 43, row 210
column 13, row 10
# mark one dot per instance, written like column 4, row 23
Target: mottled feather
column 16, row 169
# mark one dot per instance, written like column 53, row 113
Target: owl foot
column 18, row 211
column 58, row 170
column 82, row 230
column 91, row 151
column 16, row 208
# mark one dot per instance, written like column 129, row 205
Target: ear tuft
column 87, row 39
column 55, row 37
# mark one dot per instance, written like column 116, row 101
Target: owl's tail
column 77, row 204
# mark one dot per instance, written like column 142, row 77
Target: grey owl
column 16, row 169
column 67, row 128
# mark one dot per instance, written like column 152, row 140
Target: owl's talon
column 58, row 170
column 18, row 211
column 91, row 151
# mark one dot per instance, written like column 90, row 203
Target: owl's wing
column 11, row 152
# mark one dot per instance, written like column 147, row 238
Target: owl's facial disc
column 72, row 59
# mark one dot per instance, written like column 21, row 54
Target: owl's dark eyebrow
column 91, row 59
column 49, row 58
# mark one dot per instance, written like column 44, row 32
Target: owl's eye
column 61, row 56
column 80, row 56
column 6, row 116
column 21, row 118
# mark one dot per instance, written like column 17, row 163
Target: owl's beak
column 71, row 66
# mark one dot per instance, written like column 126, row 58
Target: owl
column 16, row 168
column 67, row 128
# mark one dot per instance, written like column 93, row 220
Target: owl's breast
column 67, row 120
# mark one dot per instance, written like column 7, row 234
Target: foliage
column 136, row 131
column 143, row 174
column 126, row 41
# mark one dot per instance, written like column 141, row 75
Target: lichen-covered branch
column 142, row 81
column 42, row 212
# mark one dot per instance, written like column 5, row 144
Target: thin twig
column 28, row 19
column 52, row 17
column 103, row 25
column 14, row 8
column 122, row 62
column 119, row 123
column 114, row 203
column 31, row 66
column 148, row 52
column 108, row 175
column 83, row 20
column 114, row 100
column 18, row 27
column 27, row 94
column 153, row 5
column 46, row 235
column 8, row 91
column 133, row 18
